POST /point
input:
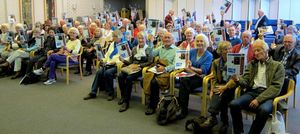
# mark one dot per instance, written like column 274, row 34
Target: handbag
column 130, row 69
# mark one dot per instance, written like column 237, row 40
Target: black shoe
column 90, row 96
column 110, row 98
column 149, row 111
column 121, row 101
column 124, row 107
column 87, row 73
column 77, row 72
column 209, row 123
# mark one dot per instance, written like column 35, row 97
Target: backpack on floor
column 167, row 109
column 30, row 78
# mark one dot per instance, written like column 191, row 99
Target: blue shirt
column 234, row 41
column 204, row 62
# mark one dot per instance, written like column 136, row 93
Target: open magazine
column 235, row 64
column 181, row 59
column 124, row 50
column 59, row 40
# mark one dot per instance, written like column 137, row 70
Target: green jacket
column 274, row 74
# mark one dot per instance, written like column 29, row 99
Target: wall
column 157, row 9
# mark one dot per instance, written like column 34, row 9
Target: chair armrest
column 290, row 91
column 237, row 92
column 172, row 79
column 32, row 53
column 145, row 70
column 119, row 67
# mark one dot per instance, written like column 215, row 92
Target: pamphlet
column 59, row 40
column 235, row 64
column 124, row 50
column 181, row 59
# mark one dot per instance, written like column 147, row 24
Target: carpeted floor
column 60, row 109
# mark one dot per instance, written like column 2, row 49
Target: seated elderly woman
column 141, row 57
column 5, row 39
column 199, row 64
column 20, row 49
column 72, row 47
column 219, row 103
column 40, row 56
column 105, row 75
column 188, row 43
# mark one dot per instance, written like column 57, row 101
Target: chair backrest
column 285, row 86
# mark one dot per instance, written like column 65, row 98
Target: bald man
column 166, row 53
column 263, row 79
column 261, row 21
column 245, row 47
column 289, row 56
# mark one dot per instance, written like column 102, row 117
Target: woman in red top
column 189, row 41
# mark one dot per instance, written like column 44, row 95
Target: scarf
column 140, row 52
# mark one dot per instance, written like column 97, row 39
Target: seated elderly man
column 263, row 80
column 154, row 82
column 289, row 56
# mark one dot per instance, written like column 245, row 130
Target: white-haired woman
column 189, row 39
column 72, row 47
column 141, row 57
column 200, row 60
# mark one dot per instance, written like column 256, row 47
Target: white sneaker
column 38, row 71
column 49, row 82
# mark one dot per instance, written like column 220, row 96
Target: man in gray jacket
column 262, row 80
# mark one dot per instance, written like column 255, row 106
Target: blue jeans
column 262, row 112
column 104, row 78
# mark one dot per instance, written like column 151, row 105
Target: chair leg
column 286, row 119
column 118, row 89
column 67, row 76
column 295, row 98
column 143, row 97
column 80, row 71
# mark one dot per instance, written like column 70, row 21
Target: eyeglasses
column 290, row 42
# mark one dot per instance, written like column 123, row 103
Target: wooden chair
column 66, row 66
column 202, row 92
column 286, row 91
